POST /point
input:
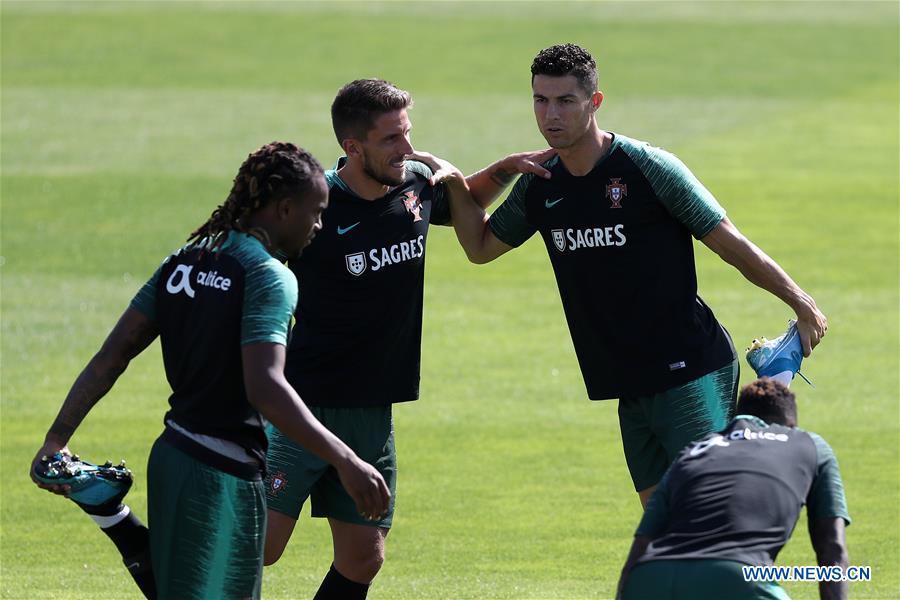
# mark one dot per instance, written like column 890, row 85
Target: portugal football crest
column 559, row 239
column 616, row 191
column 277, row 482
column 356, row 263
column 412, row 204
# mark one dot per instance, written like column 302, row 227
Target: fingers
column 374, row 500
column 806, row 342
column 529, row 166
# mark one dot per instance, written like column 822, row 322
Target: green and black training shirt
column 358, row 332
column 619, row 240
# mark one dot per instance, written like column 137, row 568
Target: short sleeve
column 682, row 194
column 826, row 496
column 656, row 515
column 509, row 222
column 270, row 297
column 145, row 299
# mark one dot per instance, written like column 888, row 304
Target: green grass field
column 123, row 124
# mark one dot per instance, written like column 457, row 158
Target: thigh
column 644, row 453
column 370, row 433
column 292, row 471
column 715, row 579
column 206, row 528
column 688, row 412
column 654, row 579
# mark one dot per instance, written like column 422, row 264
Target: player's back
column 737, row 493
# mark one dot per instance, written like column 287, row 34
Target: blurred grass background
column 122, row 125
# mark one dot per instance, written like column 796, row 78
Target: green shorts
column 656, row 428
column 696, row 580
column 207, row 528
column 294, row 473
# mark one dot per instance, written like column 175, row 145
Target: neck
column 362, row 185
column 581, row 157
column 258, row 230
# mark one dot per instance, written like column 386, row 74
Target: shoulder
column 644, row 153
column 823, row 449
column 417, row 170
column 252, row 256
column 525, row 180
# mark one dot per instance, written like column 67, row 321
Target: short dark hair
column 770, row 401
column 270, row 173
column 360, row 102
column 567, row 59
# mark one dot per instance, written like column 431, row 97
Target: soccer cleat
column 784, row 353
column 95, row 488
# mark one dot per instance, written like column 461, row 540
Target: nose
column 552, row 112
column 317, row 226
column 407, row 147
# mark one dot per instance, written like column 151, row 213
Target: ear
column 597, row 99
column 283, row 208
column 351, row 147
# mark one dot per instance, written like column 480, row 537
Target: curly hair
column 360, row 102
column 567, row 59
column 770, row 401
column 270, row 173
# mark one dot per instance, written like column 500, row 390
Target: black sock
column 337, row 587
column 132, row 539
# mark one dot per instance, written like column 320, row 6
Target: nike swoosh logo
column 343, row 230
column 549, row 204
column 132, row 565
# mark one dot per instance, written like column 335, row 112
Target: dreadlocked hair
column 272, row 172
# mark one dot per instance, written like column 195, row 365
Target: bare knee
column 358, row 550
column 361, row 566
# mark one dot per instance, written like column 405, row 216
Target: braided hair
column 270, row 173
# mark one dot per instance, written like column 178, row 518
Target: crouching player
column 732, row 499
column 222, row 307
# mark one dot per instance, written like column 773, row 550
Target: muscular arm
column 754, row 264
column 638, row 548
column 828, row 540
column 270, row 393
column 469, row 196
column 470, row 222
column 131, row 335
column 488, row 183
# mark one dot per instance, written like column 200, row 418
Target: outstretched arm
column 488, row 183
column 131, row 335
column 470, row 221
column 270, row 393
column 828, row 540
column 754, row 264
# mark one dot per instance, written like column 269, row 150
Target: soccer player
column 222, row 307
column 356, row 346
column 732, row 499
column 616, row 216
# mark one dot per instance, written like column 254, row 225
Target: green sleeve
column 686, row 199
column 440, row 203
column 270, row 297
column 826, row 496
column 656, row 515
column 510, row 221
column 145, row 300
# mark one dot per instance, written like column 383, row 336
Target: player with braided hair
column 221, row 306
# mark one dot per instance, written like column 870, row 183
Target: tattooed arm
column 131, row 335
column 488, row 183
